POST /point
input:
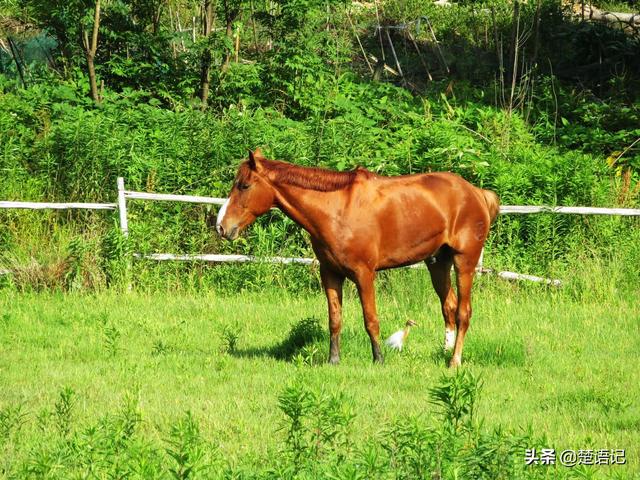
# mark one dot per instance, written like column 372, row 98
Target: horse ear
column 254, row 160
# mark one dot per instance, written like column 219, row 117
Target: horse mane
column 312, row 178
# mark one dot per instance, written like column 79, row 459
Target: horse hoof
column 334, row 360
column 378, row 360
column 455, row 362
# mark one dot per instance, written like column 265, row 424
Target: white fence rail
column 207, row 257
column 124, row 194
column 628, row 212
column 58, row 206
column 173, row 198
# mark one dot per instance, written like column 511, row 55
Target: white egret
column 397, row 339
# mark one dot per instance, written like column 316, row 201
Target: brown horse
column 360, row 222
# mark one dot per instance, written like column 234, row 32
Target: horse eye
column 242, row 186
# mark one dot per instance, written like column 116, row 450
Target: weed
column 296, row 403
column 317, row 425
column 75, row 261
column 309, row 355
column 302, row 334
column 160, row 347
column 63, row 411
column 116, row 257
column 43, row 419
column 187, row 449
column 230, row 337
column 413, row 449
column 456, row 397
column 128, row 418
column 111, row 336
column 12, row 418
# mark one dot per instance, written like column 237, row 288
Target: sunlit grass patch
column 547, row 363
column 500, row 352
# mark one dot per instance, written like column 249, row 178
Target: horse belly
column 409, row 253
column 414, row 234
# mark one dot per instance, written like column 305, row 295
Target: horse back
column 439, row 205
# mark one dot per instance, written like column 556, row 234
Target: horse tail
column 493, row 203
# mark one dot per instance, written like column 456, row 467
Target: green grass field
column 568, row 369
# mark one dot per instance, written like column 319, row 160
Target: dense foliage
column 514, row 105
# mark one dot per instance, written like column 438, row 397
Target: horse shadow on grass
column 306, row 338
column 302, row 339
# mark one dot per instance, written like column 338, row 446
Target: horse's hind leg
column 465, row 265
column 440, row 271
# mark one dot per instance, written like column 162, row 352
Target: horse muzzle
column 229, row 234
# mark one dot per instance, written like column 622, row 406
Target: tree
column 70, row 22
column 205, row 66
column 90, row 49
column 231, row 10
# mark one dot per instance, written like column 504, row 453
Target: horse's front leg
column 332, row 283
column 366, row 290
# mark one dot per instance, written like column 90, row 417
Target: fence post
column 124, row 228
column 122, row 208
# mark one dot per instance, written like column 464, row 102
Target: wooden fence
column 124, row 195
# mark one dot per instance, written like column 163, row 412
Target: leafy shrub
column 304, row 333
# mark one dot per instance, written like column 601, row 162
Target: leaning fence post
column 124, row 228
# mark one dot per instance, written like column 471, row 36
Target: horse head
column 251, row 195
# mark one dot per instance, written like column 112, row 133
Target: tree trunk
column 253, row 27
column 90, row 48
column 630, row 19
column 513, row 44
column 237, row 47
column 205, row 63
column 157, row 16
column 16, row 59
column 95, row 95
column 229, row 33
column 231, row 12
